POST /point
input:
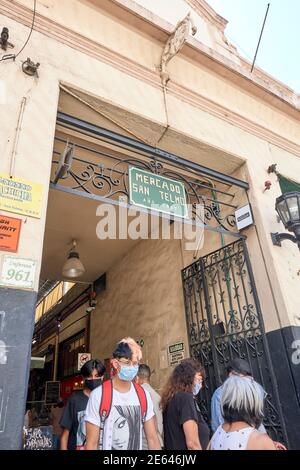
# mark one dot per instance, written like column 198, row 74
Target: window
column 68, row 355
column 52, row 298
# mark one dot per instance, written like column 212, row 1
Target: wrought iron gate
column 224, row 321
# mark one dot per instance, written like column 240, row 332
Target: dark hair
column 242, row 400
column 240, row 366
column 144, row 371
column 122, row 350
column 90, row 365
column 181, row 380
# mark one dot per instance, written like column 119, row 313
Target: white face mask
column 197, row 388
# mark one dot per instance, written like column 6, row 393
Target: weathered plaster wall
column 144, row 300
column 127, row 88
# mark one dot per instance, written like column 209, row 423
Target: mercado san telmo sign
column 157, row 192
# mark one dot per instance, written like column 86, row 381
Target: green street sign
column 157, row 192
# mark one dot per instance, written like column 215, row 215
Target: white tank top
column 235, row 440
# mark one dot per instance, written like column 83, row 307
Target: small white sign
column 83, row 358
column 18, row 272
column 176, row 353
column 243, row 217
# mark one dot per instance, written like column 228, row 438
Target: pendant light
column 73, row 267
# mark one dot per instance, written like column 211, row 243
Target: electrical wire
column 14, row 56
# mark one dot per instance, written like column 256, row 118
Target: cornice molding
column 203, row 9
column 43, row 25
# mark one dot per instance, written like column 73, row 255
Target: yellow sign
column 20, row 196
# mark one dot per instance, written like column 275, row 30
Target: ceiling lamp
column 73, row 267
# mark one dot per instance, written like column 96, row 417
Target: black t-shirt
column 73, row 419
column 183, row 407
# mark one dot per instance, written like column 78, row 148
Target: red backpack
column 106, row 403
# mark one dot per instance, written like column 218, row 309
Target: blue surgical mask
column 197, row 388
column 128, row 373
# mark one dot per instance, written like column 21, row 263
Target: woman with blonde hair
column 242, row 408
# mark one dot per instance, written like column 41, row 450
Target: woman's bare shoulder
column 260, row 441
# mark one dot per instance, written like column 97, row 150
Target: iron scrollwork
column 109, row 179
column 227, row 324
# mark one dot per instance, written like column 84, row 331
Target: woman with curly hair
column 184, row 426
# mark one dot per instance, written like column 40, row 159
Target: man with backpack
column 118, row 411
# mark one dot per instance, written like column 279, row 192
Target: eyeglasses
column 128, row 362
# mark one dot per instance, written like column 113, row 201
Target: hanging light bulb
column 73, row 267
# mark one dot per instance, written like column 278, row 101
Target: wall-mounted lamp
column 288, row 209
column 73, row 267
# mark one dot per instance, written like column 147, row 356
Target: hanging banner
column 20, row 196
column 18, row 272
column 10, row 228
column 157, row 192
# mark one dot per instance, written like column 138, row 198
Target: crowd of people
column 126, row 413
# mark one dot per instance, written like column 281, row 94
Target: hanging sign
column 20, row 196
column 176, row 353
column 83, row 358
column 52, row 392
column 9, row 233
column 18, row 272
column 157, row 192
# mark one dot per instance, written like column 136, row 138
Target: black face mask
column 91, row 384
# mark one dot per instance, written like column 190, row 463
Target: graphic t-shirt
column 182, row 408
column 73, row 419
column 123, row 427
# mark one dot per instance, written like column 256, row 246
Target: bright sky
column 279, row 49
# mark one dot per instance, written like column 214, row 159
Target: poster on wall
column 10, row 228
column 176, row 353
column 20, row 196
column 18, row 272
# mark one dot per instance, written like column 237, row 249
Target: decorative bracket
column 175, row 44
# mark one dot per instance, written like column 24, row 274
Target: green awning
column 287, row 185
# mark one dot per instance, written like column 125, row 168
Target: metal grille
column 225, row 322
column 100, row 171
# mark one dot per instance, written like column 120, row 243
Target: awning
column 288, row 185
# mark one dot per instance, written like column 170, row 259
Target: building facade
column 124, row 84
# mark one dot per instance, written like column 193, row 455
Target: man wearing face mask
column 74, row 433
column 119, row 410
